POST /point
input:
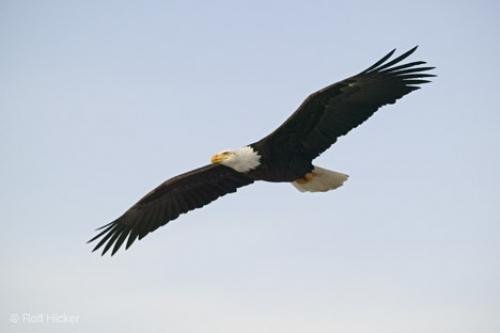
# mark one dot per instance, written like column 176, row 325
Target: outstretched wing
column 334, row 110
column 165, row 203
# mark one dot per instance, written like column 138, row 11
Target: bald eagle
column 285, row 155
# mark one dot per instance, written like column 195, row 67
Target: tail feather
column 320, row 180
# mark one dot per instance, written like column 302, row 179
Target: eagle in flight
column 285, row 155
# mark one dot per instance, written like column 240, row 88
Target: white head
column 242, row 159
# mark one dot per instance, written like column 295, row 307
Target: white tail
column 320, row 180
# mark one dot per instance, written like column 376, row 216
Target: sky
column 100, row 101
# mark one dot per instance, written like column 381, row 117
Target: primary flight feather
column 285, row 155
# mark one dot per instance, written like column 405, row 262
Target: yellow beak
column 216, row 159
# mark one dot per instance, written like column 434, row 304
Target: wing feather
column 333, row 111
column 165, row 203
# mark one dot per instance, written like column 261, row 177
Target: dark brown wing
column 333, row 111
column 165, row 203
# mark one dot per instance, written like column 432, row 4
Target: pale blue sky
column 100, row 101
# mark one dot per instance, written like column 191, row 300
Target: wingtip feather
column 379, row 62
